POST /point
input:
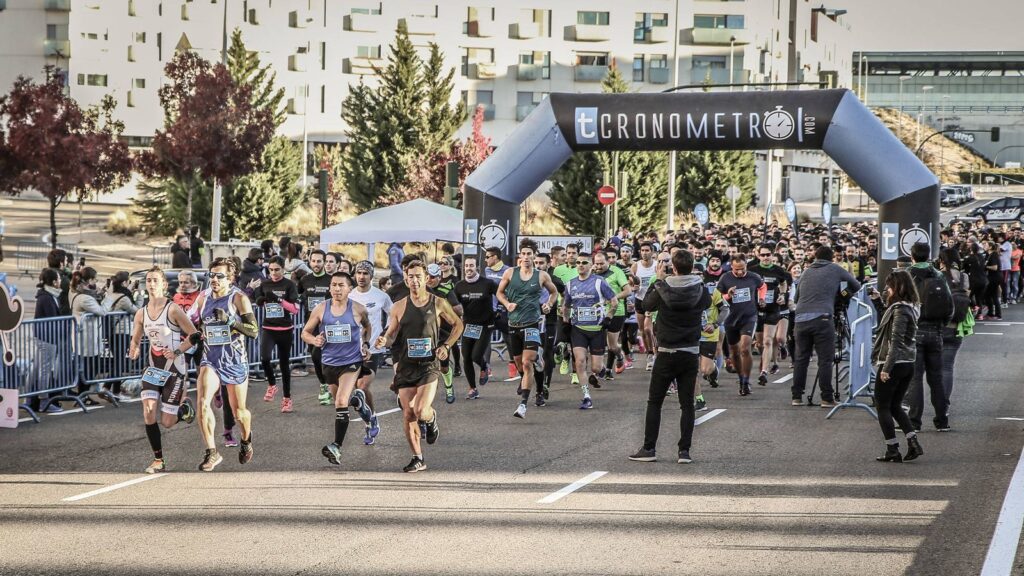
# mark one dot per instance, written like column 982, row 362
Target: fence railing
column 31, row 255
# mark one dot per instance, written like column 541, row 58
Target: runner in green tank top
column 519, row 291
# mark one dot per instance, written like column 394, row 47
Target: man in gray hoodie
column 680, row 301
column 814, row 328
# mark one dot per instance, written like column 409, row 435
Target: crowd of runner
column 688, row 306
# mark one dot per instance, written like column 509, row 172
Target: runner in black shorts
column 743, row 290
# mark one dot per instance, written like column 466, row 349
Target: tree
column 254, row 205
column 212, row 130
column 574, row 193
column 245, row 69
column 58, row 149
column 329, row 158
column 705, row 175
column 442, row 119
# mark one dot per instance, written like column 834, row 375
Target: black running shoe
column 245, row 450
column 774, row 368
column 433, row 431
column 332, row 452
column 643, row 455
column 783, row 352
column 539, row 400
column 210, row 461
column 762, row 380
column 684, row 457
column 187, row 412
column 713, row 378
column 415, row 465
column 592, row 380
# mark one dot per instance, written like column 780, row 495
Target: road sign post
column 606, row 195
column 733, row 194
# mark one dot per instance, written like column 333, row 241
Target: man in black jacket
column 936, row 311
column 680, row 301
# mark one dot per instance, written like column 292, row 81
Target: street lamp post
column 671, row 208
column 899, row 130
column 924, row 90
column 732, row 61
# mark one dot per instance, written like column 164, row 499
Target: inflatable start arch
column 834, row 121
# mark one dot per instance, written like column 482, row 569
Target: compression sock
column 153, row 433
column 525, row 396
column 340, row 424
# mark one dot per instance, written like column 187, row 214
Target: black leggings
column 992, row 299
column 476, row 351
column 544, row 378
column 628, row 337
column 282, row 340
column 889, row 400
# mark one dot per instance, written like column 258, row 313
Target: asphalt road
column 775, row 489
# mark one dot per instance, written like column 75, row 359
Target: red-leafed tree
column 427, row 174
column 212, row 129
column 55, row 147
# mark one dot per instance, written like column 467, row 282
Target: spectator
column 384, row 283
column 180, row 253
column 936, row 311
column 88, row 341
column 252, row 271
column 395, row 256
column 268, row 249
column 197, row 248
column 119, row 299
column 56, row 261
column 47, row 306
column 294, row 260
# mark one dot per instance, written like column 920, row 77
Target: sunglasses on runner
column 218, row 275
column 583, row 262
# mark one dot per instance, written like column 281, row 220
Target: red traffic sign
column 606, row 195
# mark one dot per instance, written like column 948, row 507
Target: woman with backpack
column 893, row 354
column 960, row 286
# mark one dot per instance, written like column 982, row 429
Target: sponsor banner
column 546, row 243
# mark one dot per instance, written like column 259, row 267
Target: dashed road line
column 556, row 496
column 1002, row 551
column 106, row 489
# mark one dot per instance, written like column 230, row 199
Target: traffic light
column 451, row 184
column 995, row 133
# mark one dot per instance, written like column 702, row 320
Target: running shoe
column 325, row 395
column 774, row 368
column 559, row 354
column 512, row 372
column 538, row 364
column 157, row 465
column 415, row 465
column 575, row 380
column 358, row 401
column 245, row 451
column 744, row 389
column 286, row 405
column 562, row 358
column 713, row 378
column 650, row 362
column 433, row 430
column 449, row 390
column 539, row 400
column 608, row 374
column 729, row 367
column 210, row 460
column 700, row 405
column 299, row 372
column 258, row 377
column 629, row 363
column 187, row 412
column 672, row 389
column 798, row 402
column 546, row 392
column 520, row 411
column 563, row 367
column 592, row 380
column 218, row 401
column 54, row 408
column 620, row 364
column 644, row 455
column 374, row 426
column 473, row 394
column 762, row 380
column 229, row 440
column 684, row 457
column 640, row 347
column 367, row 437
column 271, row 392
column 587, row 403
column 332, row 452
column 783, row 352
column 485, row 375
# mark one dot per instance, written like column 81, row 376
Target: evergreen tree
column 442, row 119
column 245, row 68
column 574, row 193
column 705, row 175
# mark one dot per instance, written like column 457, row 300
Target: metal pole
column 215, row 227
column 614, row 221
column 305, row 137
column 732, row 61
column 866, row 72
column 671, row 206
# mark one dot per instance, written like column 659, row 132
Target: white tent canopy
column 413, row 221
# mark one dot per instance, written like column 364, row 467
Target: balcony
column 483, row 70
column 528, row 72
column 481, row 28
column 299, row 19
column 718, row 76
column 588, row 33
column 360, row 65
column 58, row 48
column 589, row 73
column 719, row 36
column 488, row 111
column 657, row 35
column 524, row 30
column 523, row 111
column 297, row 62
column 658, row 75
column 57, row 5
column 363, row 22
column 296, row 106
column 421, row 25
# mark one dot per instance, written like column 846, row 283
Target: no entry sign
column 606, row 195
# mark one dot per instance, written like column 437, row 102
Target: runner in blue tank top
column 226, row 315
column 341, row 329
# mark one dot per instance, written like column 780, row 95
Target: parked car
column 968, row 191
column 1006, row 209
column 957, row 196
column 945, row 196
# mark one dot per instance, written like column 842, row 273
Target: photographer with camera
column 820, row 286
column 936, row 311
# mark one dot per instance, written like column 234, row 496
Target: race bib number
column 645, row 281
column 273, row 310
column 313, row 303
column 589, row 314
column 338, row 333
column 217, row 335
column 711, row 287
column 532, row 335
column 156, row 377
column 473, row 331
column 769, row 296
column 419, row 348
column 741, row 295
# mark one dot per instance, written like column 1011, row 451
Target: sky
column 934, row 25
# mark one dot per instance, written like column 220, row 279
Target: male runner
column 476, row 295
column 519, row 292
column 565, row 272
column 742, row 290
column 549, row 336
column 164, row 383
column 339, row 328
column 314, row 288
column 416, row 319
column 377, row 304
column 588, row 306
column 777, row 282
column 226, row 316
column 645, row 269
column 435, row 287
column 615, row 278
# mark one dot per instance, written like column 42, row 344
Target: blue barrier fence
column 858, row 373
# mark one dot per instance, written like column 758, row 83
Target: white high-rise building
column 507, row 55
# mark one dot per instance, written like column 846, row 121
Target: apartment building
column 507, row 55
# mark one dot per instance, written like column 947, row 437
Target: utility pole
column 671, row 208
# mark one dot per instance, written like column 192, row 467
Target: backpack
column 936, row 298
column 961, row 299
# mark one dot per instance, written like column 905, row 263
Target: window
column 131, row 53
column 139, row 83
column 592, row 18
column 645, row 21
column 638, row 68
column 140, row 37
column 659, row 61
column 591, row 58
column 323, row 98
column 734, row 21
column 367, row 11
column 131, row 7
column 56, row 31
column 372, row 52
column 160, row 46
column 540, row 59
column 472, row 56
column 485, row 97
column 323, row 55
column 92, row 79
column 709, row 62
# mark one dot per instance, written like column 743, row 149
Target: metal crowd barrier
column 162, row 256
column 859, row 373
column 31, row 255
column 44, row 363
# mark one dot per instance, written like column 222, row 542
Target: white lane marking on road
column 112, row 488
column 389, row 411
column 77, row 411
column 708, row 416
column 1003, row 549
column 1001, row 324
column 556, row 496
column 785, row 378
column 1011, row 418
column 989, row 333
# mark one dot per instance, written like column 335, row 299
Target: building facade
column 507, row 55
